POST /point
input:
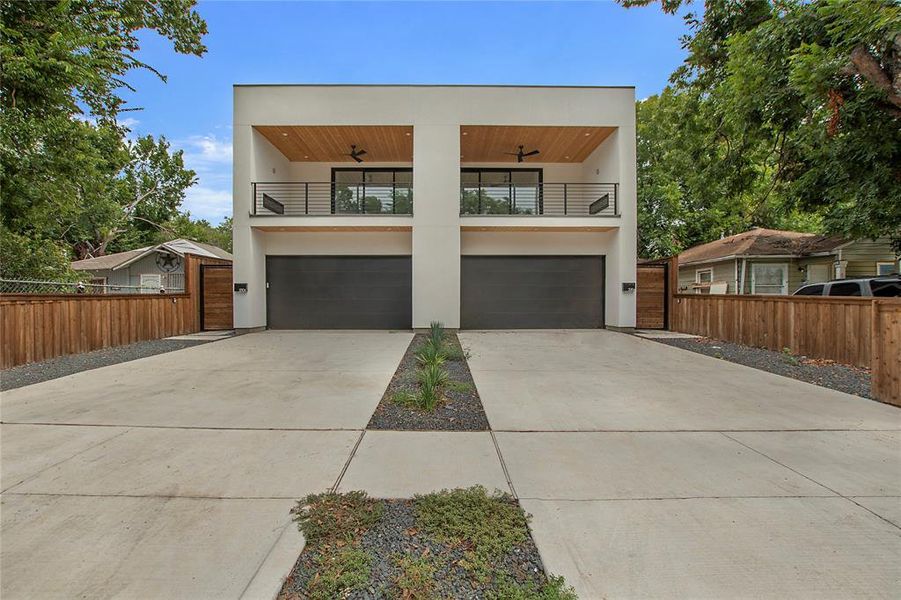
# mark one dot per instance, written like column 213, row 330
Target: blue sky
column 398, row 42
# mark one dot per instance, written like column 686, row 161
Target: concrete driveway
column 172, row 476
column 654, row 472
column 650, row 471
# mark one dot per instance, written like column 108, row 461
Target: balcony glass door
column 372, row 191
column 498, row 191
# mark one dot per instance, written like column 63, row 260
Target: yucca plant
column 433, row 376
column 430, row 353
column 432, row 379
column 427, row 398
column 436, row 333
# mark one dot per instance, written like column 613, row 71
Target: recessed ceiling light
column 587, row 134
column 305, row 156
column 465, row 133
column 407, row 133
column 565, row 157
column 284, row 134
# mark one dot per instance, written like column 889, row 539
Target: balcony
column 541, row 199
column 307, row 198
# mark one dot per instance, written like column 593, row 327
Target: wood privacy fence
column 865, row 332
column 885, row 361
column 651, row 296
column 35, row 327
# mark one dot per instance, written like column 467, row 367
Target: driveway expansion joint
column 56, row 464
column 837, row 493
column 500, row 457
column 157, row 496
column 186, row 427
column 663, row 498
column 353, row 453
column 723, row 431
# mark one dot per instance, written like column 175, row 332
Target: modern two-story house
column 390, row 207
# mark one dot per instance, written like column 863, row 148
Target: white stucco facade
column 435, row 235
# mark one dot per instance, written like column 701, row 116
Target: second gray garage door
column 532, row 292
column 339, row 292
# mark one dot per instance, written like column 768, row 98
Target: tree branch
column 869, row 69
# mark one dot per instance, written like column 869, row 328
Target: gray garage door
column 339, row 292
column 532, row 292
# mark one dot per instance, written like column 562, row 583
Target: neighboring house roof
column 761, row 243
column 123, row 259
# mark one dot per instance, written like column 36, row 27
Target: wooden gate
column 651, row 297
column 216, row 297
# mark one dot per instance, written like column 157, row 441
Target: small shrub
column 554, row 589
column 460, row 386
column 333, row 516
column 403, row 398
column 790, row 358
column 339, row 573
column 488, row 525
column 455, row 353
column 416, row 580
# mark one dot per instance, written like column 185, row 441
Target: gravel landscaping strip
column 396, row 536
column 844, row 378
column 61, row 366
column 462, row 410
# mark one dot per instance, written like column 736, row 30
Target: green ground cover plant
column 416, row 580
column 332, row 517
column 488, row 525
column 447, row 544
column 340, row 572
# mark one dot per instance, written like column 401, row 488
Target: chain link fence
column 25, row 286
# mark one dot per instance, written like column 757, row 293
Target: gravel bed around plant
column 61, row 366
column 843, row 378
column 462, row 410
column 396, row 535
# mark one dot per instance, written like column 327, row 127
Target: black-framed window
column 372, row 190
column 501, row 190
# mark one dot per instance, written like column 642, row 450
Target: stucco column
column 436, row 225
column 627, row 244
column 247, row 245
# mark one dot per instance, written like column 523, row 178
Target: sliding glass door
column 501, row 191
column 372, row 190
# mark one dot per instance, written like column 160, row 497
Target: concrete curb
column 274, row 570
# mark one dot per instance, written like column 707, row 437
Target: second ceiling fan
column 356, row 154
column 521, row 155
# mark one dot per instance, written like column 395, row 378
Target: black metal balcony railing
column 329, row 198
column 549, row 199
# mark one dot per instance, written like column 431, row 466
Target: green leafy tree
column 803, row 101
column 151, row 187
column 69, row 180
column 200, row 230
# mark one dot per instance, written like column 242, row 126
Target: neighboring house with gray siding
column 770, row 261
column 152, row 269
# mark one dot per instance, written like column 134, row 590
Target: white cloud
column 129, row 122
column 208, row 203
column 207, row 150
column 211, row 158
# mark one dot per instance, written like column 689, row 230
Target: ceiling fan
column 356, row 154
column 521, row 156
